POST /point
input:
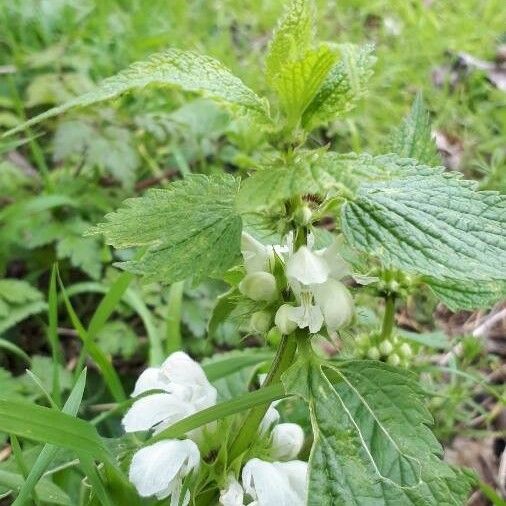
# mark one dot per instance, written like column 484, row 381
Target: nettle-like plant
column 398, row 222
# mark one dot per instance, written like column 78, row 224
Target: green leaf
column 191, row 229
column 457, row 294
column 345, row 84
column 49, row 426
column 117, row 338
column 351, row 170
column 435, row 225
column 306, row 174
column 49, row 452
column 413, row 139
column 18, row 301
column 371, row 445
column 298, row 81
column 111, row 148
column 46, row 490
column 292, row 38
column 184, row 70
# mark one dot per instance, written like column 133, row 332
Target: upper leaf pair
column 311, row 86
column 307, row 79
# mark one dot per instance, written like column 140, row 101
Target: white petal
column 287, row 441
column 306, row 316
column 156, row 468
column 296, row 472
column 149, row 411
column 233, row 494
column 335, row 302
column 307, row 267
column 182, row 369
column 270, row 418
column 188, row 381
column 337, row 265
column 256, row 256
column 283, row 321
column 150, row 379
column 265, row 484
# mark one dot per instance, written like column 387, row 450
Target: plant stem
column 389, row 317
column 173, row 325
column 249, row 429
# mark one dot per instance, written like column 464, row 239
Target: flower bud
column 394, row 360
column 287, row 441
column 405, row 350
column 362, row 340
column 259, row 286
column 261, row 321
column 283, row 321
column 303, row 215
column 385, row 347
column 274, row 337
column 373, row 353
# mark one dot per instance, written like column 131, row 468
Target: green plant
column 399, row 222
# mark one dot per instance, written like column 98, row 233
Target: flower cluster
column 393, row 350
column 316, row 298
column 159, row 469
column 164, row 395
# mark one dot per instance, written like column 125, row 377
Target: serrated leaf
column 345, row 84
column 371, row 445
column 184, row 70
column 292, row 37
column 191, row 229
column 16, row 291
column 110, row 148
column 298, row 81
column 413, row 138
column 18, row 301
column 83, row 252
column 457, row 294
column 352, row 169
column 117, row 338
column 435, row 225
column 306, row 174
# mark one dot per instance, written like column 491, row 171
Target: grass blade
column 50, row 426
column 53, row 339
column 98, row 356
column 262, row 396
column 109, row 303
column 49, row 452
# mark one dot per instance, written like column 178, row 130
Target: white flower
column 268, row 484
column 287, row 441
column 270, row 418
column 233, row 495
column 186, row 390
column 314, row 278
column 159, row 469
column 259, row 257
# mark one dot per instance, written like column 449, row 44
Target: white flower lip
column 186, row 391
column 159, row 469
column 307, row 267
column 276, row 483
